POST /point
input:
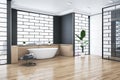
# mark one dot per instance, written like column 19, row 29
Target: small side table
column 29, row 60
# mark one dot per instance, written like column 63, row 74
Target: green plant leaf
column 82, row 34
column 78, row 40
column 85, row 42
column 78, row 36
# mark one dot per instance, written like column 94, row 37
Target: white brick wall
column 107, row 33
column 34, row 28
column 81, row 22
column 3, row 31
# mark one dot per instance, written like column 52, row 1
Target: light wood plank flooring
column 64, row 68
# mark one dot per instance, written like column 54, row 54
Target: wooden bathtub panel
column 66, row 49
column 14, row 55
column 19, row 51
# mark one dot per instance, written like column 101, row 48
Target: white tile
column 45, row 16
column 29, row 30
column 22, row 33
column 3, row 1
column 34, row 39
column 3, row 11
column 22, row 39
column 39, row 30
column 34, row 27
column 20, row 16
column 3, row 43
column 28, row 17
column 33, row 14
column 3, row 15
column 23, row 13
column 49, row 31
column 3, row 29
column 23, row 19
column 28, row 23
column 34, row 33
column 3, row 33
column 3, row 6
column 39, row 36
column 20, row 23
column 43, row 33
column 44, row 22
column 48, row 25
column 44, row 28
column 39, row 24
column 23, row 26
column 35, row 21
column 3, row 20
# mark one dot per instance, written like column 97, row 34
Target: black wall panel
column 9, row 31
column 14, row 27
column 64, row 29
column 57, row 30
column 67, row 29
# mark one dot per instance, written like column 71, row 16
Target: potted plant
column 83, row 42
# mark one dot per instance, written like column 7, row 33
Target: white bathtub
column 43, row 53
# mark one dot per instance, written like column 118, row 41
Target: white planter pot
column 24, row 44
column 82, row 54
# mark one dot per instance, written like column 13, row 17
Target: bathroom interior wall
column 64, row 29
column 34, row 28
column 57, row 29
column 96, row 35
column 67, row 23
column 3, row 32
column 81, row 23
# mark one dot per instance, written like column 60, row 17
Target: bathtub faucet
column 49, row 43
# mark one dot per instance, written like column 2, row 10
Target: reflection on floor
column 3, row 59
column 64, row 68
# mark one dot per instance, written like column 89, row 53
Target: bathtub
column 43, row 53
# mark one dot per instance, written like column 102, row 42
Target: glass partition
column 111, row 32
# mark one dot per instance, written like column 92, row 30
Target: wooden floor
column 64, row 68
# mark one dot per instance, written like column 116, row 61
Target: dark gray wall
column 64, row 29
column 57, row 30
column 14, row 27
column 113, row 38
column 115, row 16
column 89, row 34
column 67, row 30
column 9, row 31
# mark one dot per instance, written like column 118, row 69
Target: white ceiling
column 61, row 7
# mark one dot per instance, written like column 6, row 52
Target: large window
column 3, row 31
column 34, row 28
column 81, row 23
